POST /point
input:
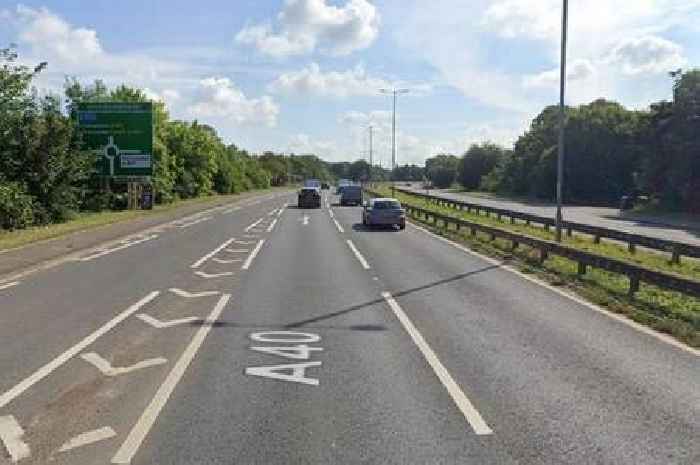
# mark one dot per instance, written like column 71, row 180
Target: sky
column 303, row 76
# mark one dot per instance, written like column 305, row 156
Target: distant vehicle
column 342, row 183
column 351, row 195
column 384, row 212
column 325, row 186
column 309, row 197
column 312, row 183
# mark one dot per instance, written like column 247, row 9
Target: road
column 274, row 335
column 680, row 228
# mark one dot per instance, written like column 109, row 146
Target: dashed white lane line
column 89, row 437
column 160, row 324
column 252, row 255
column 204, row 275
column 359, row 256
column 337, row 225
column 192, row 295
column 35, row 377
column 199, row 262
column 125, row 245
column 144, row 424
column 11, row 437
column 282, row 210
column 8, row 285
column 460, row 399
column 192, row 223
column 272, row 225
column 107, row 369
column 253, row 225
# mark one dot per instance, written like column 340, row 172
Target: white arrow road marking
column 8, row 285
column 192, row 295
column 460, row 399
column 215, row 275
column 156, row 323
column 138, row 433
column 225, row 262
column 108, row 370
column 252, row 255
column 237, row 250
column 199, row 262
column 11, row 437
column 272, row 225
column 45, row 370
column 88, row 438
column 254, row 224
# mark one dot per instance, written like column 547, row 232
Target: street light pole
column 394, row 92
column 562, row 89
column 371, row 164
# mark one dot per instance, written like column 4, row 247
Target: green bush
column 16, row 206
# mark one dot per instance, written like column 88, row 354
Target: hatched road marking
column 11, row 437
column 88, row 438
column 199, row 262
column 8, row 285
column 252, row 255
column 192, row 295
column 108, row 370
column 460, row 399
column 160, row 324
column 253, row 225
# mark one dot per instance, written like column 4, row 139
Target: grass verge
column 87, row 221
column 666, row 311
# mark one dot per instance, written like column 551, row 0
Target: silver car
column 384, row 212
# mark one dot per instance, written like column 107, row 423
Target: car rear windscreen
column 386, row 205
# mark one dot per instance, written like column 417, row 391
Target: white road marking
column 125, row 244
column 272, row 225
column 35, row 377
column 298, row 372
column 252, row 255
column 8, row 285
column 460, row 399
column 192, row 223
column 244, row 242
column 225, row 262
column 11, row 437
column 337, row 225
column 305, row 220
column 237, row 250
column 272, row 212
column 359, row 256
column 250, row 236
column 213, row 275
column 199, row 262
column 253, row 225
column 282, row 210
column 192, row 295
column 231, row 210
column 108, row 370
column 144, row 424
column 632, row 324
column 330, row 212
column 160, row 324
column 89, row 437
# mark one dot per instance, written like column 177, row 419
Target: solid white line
column 88, row 438
column 11, row 436
column 8, row 285
column 359, row 256
column 632, row 324
column 330, row 212
column 35, row 377
column 213, row 275
column 144, row 424
column 116, row 249
column 192, row 295
column 252, row 255
column 253, row 225
column 160, row 324
column 282, row 210
column 192, row 223
column 199, row 262
column 337, row 225
column 272, row 225
column 460, row 399
column 107, row 369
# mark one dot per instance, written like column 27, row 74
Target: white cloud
column 306, row 25
column 534, row 19
column 378, row 118
column 166, row 95
column 304, row 144
column 340, row 84
column 648, row 54
column 220, row 98
column 579, row 70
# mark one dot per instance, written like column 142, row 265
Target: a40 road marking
column 295, row 347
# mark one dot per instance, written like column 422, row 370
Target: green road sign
column 121, row 134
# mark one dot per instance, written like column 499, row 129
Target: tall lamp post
column 371, row 163
column 393, row 92
column 562, row 88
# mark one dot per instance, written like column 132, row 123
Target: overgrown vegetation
column 663, row 310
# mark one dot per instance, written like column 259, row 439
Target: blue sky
column 303, row 75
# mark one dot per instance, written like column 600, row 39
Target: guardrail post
column 675, row 256
column 512, row 220
column 631, row 247
column 527, row 222
column 514, row 245
column 596, row 239
column 581, row 268
column 569, row 232
column 498, row 215
column 543, row 256
column 492, row 237
column 634, row 284
column 546, row 227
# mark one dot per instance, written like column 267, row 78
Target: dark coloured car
column 325, row 186
column 351, row 195
column 309, row 197
column 384, row 212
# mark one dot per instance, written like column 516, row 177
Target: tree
column 478, row 162
column 442, row 170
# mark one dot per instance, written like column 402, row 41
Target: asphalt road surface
column 673, row 227
column 268, row 334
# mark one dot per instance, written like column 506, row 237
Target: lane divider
column 359, row 256
column 199, row 262
column 8, row 285
column 254, row 225
column 253, row 254
column 272, row 225
column 460, row 399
